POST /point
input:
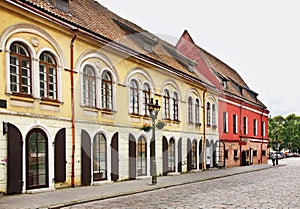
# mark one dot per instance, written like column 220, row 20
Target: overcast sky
column 260, row 39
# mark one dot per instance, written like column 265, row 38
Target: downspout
column 73, row 106
column 262, row 135
column 204, row 133
column 241, row 132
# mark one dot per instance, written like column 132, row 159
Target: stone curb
column 153, row 188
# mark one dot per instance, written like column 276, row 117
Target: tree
column 288, row 130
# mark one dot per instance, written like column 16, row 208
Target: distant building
column 243, row 118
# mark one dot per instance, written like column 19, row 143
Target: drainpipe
column 262, row 136
column 73, row 106
column 241, row 132
column 204, row 133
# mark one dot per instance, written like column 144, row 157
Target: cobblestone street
column 270, row 188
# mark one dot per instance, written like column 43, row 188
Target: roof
column 235, row 87
column 91, row 16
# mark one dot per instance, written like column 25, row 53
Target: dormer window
column 191, row 68
column 62, row 5
column 224, row 84
column 148, row 47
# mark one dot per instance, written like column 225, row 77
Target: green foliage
column 288, row 130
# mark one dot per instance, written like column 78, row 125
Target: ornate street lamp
column 153, row 109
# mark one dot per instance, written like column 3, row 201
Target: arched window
column 48, row 76
column 194, row 154
column 197, row 112
column 213, row 114
column 36, row 160
column 141, row 157
column 166, row 104
column 171, row 156
column 175, row 106
column 208, row 113
column 190, row 110
column 134, row 97
column 106, row 91
column 146, row 98
column 20, row 69
column 99, row 158
column 89, row 86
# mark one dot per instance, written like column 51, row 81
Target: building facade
column 243, row 118
column 77, row 81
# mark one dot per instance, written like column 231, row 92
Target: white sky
column 260, row 39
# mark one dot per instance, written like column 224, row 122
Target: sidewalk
column 72, row 196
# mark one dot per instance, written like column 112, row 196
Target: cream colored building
column 76, row 83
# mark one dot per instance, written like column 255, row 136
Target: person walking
column 273, row 159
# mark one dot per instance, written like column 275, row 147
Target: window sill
column 50, row 102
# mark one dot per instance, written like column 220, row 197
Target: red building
column 243, row 118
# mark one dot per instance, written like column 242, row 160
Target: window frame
column 47, row 76
column 166, row 104
column 134, row 97
column 19, row 69
column 107, row 93
column 141, row 159
column 99, row 146
column 190, row 110
column 87, row 98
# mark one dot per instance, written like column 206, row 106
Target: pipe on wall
column 73, row 105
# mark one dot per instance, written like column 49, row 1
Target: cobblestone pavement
column 269, row 188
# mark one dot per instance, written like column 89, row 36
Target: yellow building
column 77, row 81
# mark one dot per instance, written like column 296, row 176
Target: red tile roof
column 91, row 16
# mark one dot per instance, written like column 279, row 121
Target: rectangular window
column 226, row 154
column 245, row 125
column 225, row 122
column 254, row 127
column 235, row 153
column 263, row 128
column 235, row 124
column 263, row 153
column 254, row 153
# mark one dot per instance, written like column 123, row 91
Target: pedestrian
column 273, row 159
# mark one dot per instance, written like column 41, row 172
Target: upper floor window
column 146, row 98
column 134, row 97
column 190, row 110
column 20, row 69
column 89, row 86
column 235, row 124
column 225, row 122
column 106, row 90
column 254, row 127
column 245, row 125
column 263, row 128
column 197, row 112
column 213, row 115
column 48, row 76
column 166, row 104
column 175, row 106
column 208, row 113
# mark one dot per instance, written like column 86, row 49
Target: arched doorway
column 141, row 167
column 99, row 157
column 37, row 175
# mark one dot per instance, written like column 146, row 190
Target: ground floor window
column 171, row 156
column 36, row 159
column 141, row 157
column 194, row 154
column 99, row 157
